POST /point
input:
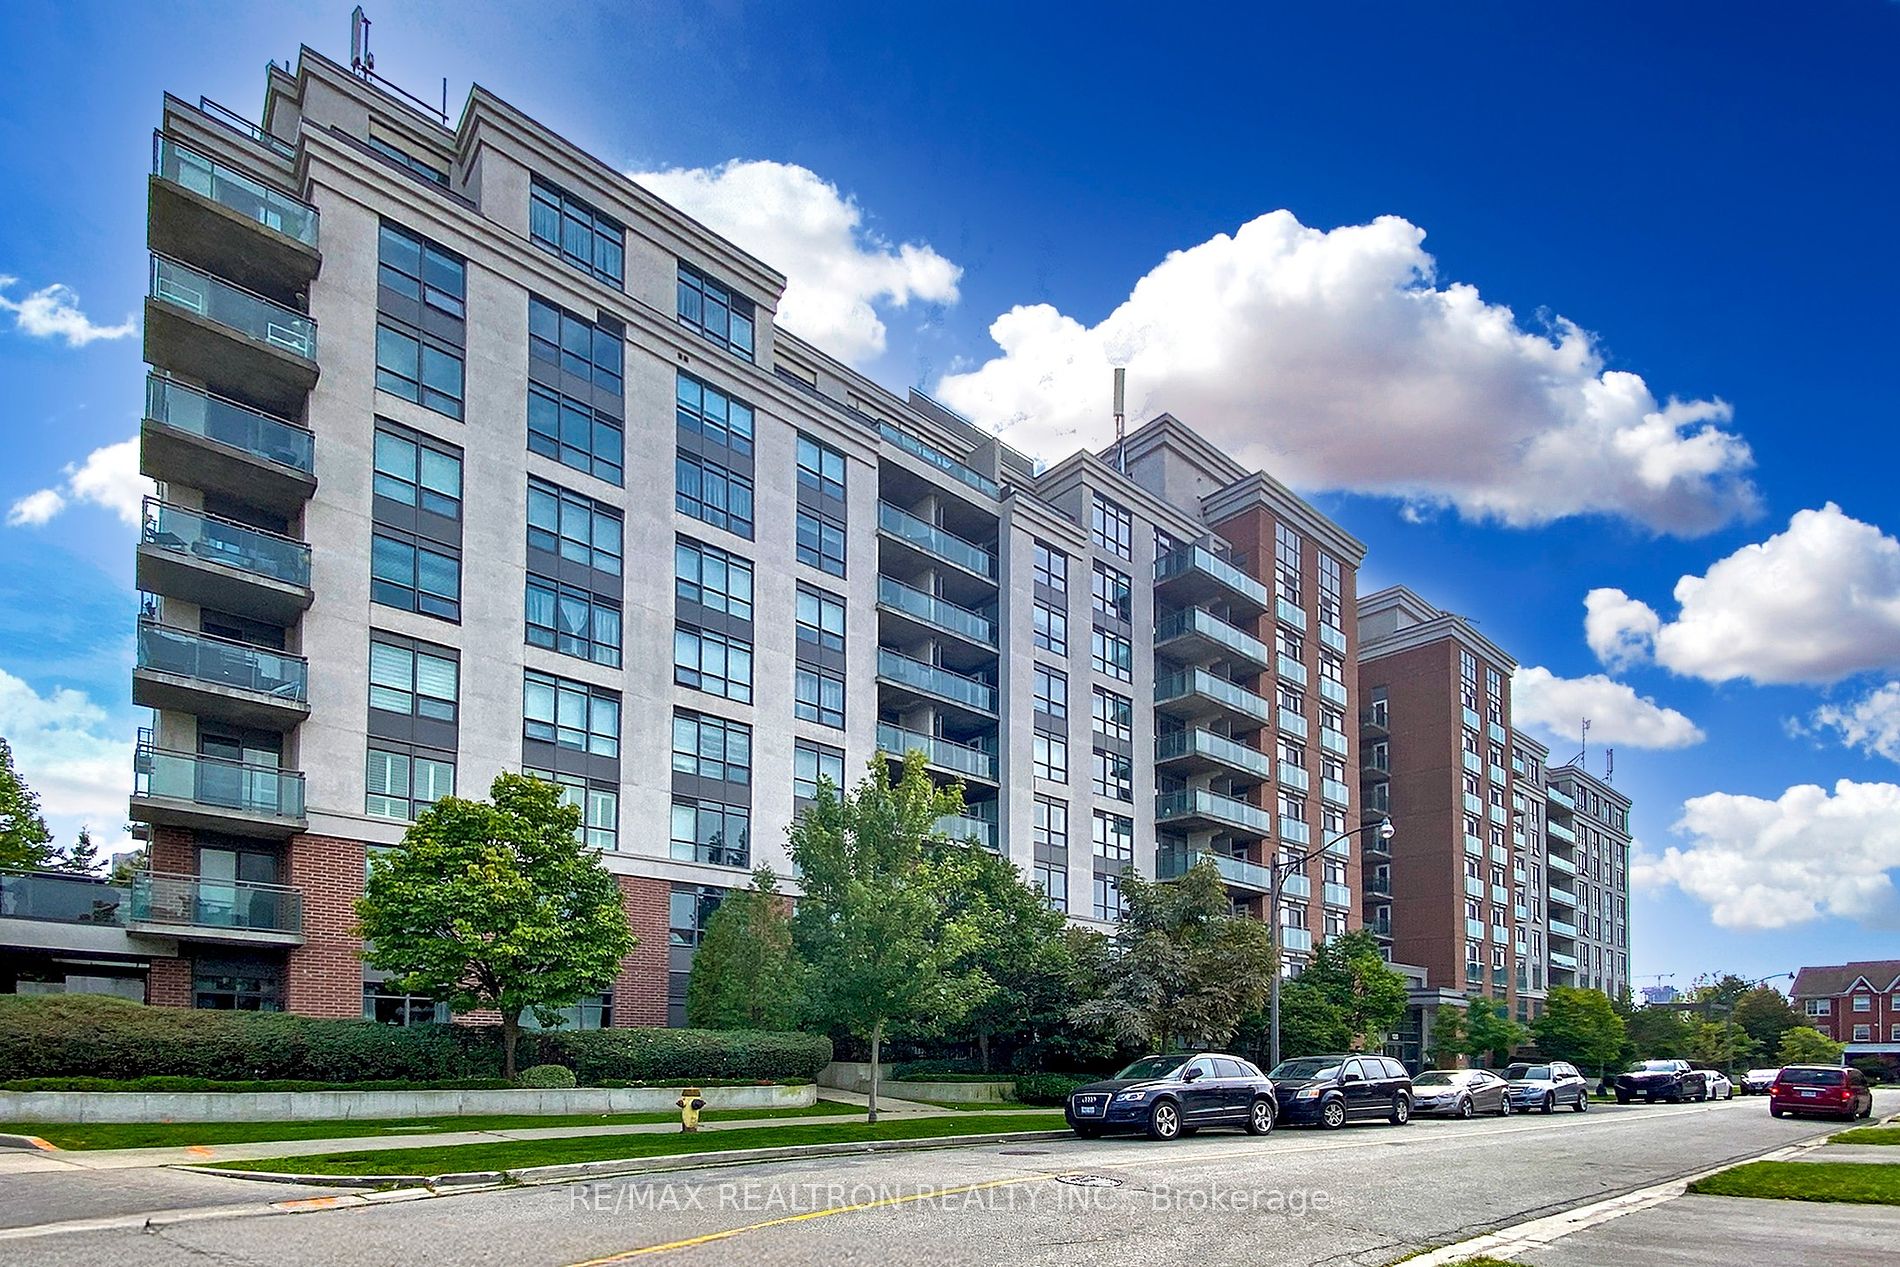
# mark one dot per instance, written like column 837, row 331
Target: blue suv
column 1171, row 1096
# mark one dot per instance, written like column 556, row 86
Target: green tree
column 1490, row 1031
column 24, row 840
column 1580, row 1026
column 1765, row 1014
column 870, row 932
column 1718, row 993
column 83, row 857
column 496, row 904
column 744, row 973
column 1347, row 998
column 1655, row 1033
column 1723, row 1046
column 1447, row 1039
column 1310, row 1023
column 1182, row 965
column 1805, row 1045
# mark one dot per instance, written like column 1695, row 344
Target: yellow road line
column 805, row 1217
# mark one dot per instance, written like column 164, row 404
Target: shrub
column 676, row 1056
column 935, row 1070
column 169, row 1083
column 1049, row 1088
column 547, row 1077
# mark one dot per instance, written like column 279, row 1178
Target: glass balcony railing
column 1557, row 796
column 939, row 459
column 1560, row 863
column 1378, row 886
column 218, row 783
column 1202, row 803
column 1292, row 670
column 1335, row 792
column 189, row 409
column 1497, row 775
column 965, row 827
column 934, row 540
column 1471, row 719
column 246, row 195
column 1563, row 928
column 1500, row 895
column 222, row 662
column 1379, row 927
column 1292, row 723
column 1195, row 620
column 60, row 898
column 1558, row 893
column 1335, row 894
column 233, row 307
column 1333, row 691
column 212, row 540
column 1557, row 831
column 1332, row 637
column 932, row 680
column 1474, row 886
column 947, row 753
column 1558, row 959
column 1473, row 804
column 1294, row 777
column 1185, row 559
column 936, row 611
column 1332, row 741
column 1474, row 846
column 1474, row 929
column 192, row 901
column 1474, row 762
column 1242, row 874
column 1296, row 887
column 1214, row 747
column 1295, row 831
column 1201, row 682
column 1289, row 612
column 1296, row 939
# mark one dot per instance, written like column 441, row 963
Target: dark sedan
column 1653, row 1080
column 1333, row 1090
column 1170, row 1096
column 1459, row 1093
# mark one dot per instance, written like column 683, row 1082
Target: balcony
column 1559, row 863
column 963, row 760
column 231, row 912
column 1197, row 751
column 1472, row 721
column 1292, row 723
column 213, row 677
column 58, row 897
column 1335, row 894
column 239, row 344
column 1333, row 741
column 1295, row 831
column 1334, row 792
column 1299, row 940
column 1380, row 926
column 1562, row 928
column 1558, row 959
column 909, row 533
column 1474, row 929
column 1474, row 886
column 1292, row 670
column 1198, row 809
column 1288, row 612
column 1294, row 777
column 929, row 614
column 1496, row 733
column 222, row 564
column 229, row 222
column 1375, row 763
column 1196, row 635
column 1296, row 887
column 1474, row 846
column 1560, row 798
column 1561, row 896
column 1375, row 723
column 1558, row 832
column 206, row 442
column 1332, row 637
column 1499, row 815
column 1500, row 895
column 1196, row 694
column 1193, row 575
column 931, row 684
column 968, row 828
column 1500, row 854
column 942, row 461
column 1333, row 691
column 1473, row 762
column 1238, row 873
column 183, row 789
column 1378, row 886
column 1497, row 775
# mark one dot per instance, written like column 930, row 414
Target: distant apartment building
column 1587, row 886
column 1530, row 873
column 1855, row 1004
column 473, row 456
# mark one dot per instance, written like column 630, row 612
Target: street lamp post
column 1279, row 870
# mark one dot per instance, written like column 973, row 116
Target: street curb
column 634, row 1165
column 27, row 1141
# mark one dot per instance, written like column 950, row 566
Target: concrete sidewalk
column 1695, row 1231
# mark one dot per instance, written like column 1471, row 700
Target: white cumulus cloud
column 1870, row 723
column 52, row 312
column 68, row 750
column 838, row 272
column 1335, row 359
column 1816, row 603
column 109, row 477
column 1762, row 864
column 1552, row 706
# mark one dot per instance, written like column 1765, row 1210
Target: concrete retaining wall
column 303, row 1106
column 852, row 1075
column 951, row 1092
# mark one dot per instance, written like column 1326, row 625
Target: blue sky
column 1513, row 235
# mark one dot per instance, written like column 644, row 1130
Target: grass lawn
column 89, row 1135
column 1861, row 1183
column 516, row 1154
column 1868, row 1135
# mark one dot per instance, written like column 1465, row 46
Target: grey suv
column 1546, row 1086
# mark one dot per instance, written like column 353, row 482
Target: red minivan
column 1828, row 1089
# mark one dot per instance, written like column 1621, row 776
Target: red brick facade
column 168, row 983
column 325, row 974
column 640, row 989
column 173, row 851
column 1874, row 984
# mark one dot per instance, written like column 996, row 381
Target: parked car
column 1828, row 1089
column 1333, row 1090
column 1459, row 1093
column 1720, row 1088
column 1653, row 1080
column 1756, row 1081
column 1171, row 1096
column 1546, row 1086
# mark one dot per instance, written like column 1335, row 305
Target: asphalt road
column 1369, row 1194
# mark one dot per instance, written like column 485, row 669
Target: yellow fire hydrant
column 690, row 1104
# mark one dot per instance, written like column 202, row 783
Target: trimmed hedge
column 935, row 1070
column 1049, row 1088
column 274, row 1084
column 547, row 1077
column 682, row 1055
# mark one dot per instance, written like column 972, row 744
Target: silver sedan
column 1459, row 1093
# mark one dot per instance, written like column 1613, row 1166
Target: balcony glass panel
column 964, row 827
column 1300, row 939
column 1295, row 886
column 1500, row 894
column 946, row 753
column 214, row 540
column 1473, row 805
column 217, row 783
column 1295, row 831
column 936, row 611
column 233, row 307
column 243, row 194
column 188, row 409
column 1293, row 723
column 935, row 681
column 1201, row 559
column 1335, row 894
column 1172, row 864
column 60, row 899
column 1557, row 796
column 1560, row 863
column 1332, row 691
column 1558, row 893
column 1474, row 846
column 1474, row 887
column 1294, row 776
column 202, row 902
column 1289, row 612
column 1474, row 929
column 1474, row 763
column 1496, row 733
column 1497, row 775
column 1499, row 815
column 1199, row 802
column 1378, row 885
column 1292, row 670
column 934, row 540
column 1557, row 831
column 1558, row 959
column 1198, row 621
column 1215, row 747
column 1333, row 638
column 939, row 459
column 221, row 662
column 1472, row 720
column 1333, row 741
column 1562, row 928
column 1201, row 682
column 1500, row 854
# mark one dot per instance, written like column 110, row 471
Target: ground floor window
column 386, row 1007
column 595, row 1011
column 688, row 909
column 238, row 985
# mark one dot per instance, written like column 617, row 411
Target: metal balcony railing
column 242, row 193
column 222, row 662
column 191, row 901
column 199, row 413
column 233, row 307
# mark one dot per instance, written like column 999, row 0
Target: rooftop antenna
column 1609, row 765
column 1581, row 756
column 362, row 61
column 1121, row 417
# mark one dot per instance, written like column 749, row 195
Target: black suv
column 1332, row 1090
column 1170, row 1096
column 1653, row 1080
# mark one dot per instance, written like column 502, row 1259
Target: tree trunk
column 983, row 1049
column 877, row 1051
column 510, row 1034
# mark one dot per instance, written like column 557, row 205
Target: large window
column 575, row 391
column 711, row 832
column 1114, row 776
column 1112, row 528
column 574, row 435
column 570, row 714
column 812, row 762
column 418, row 472
column 1114, row 837
column 711, row 577
column 713, row 494
column 1050, row 827
column 1051, row 567
column 421, row 300
column 1110, row 589
column 713, row 662
column 1113, row 655
column 573, row 621
column 1114, row 715
column 598, row 802
column 562, row 224
column 407, row 574
column 820, row 468
column 585, row 351
column 706, row 411
column 1053, row 879
column 577, row 528
column 419, row 369
column 1051, row 757
column 400, row 783
column 1052, row 691
column 1286, row 562
column 820, row 541
column 1108, row 898
column 820, row 619
column 712, row 747
column 716, row 312
column 411, row 681
column 1330, row 591
column 1051, row 629
column 818, row 695
column 238, row 984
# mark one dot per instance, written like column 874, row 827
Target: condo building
column 1587, row 885
column 473, row 456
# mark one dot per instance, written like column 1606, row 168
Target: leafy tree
column 1766, row 1015
column 1181, row 966
column 1580, row 1026
column 1719, row 994
column 1721, row 1045
column 1447, row 1036
column 1806, row 1045
column 877, row 951
column 1310, row 1023
column 1490, row 1031
column 83, row 858
column 496, row 904
column 744, row 973
column 1347, row 998
column 24, row 839
column 1655, row 1033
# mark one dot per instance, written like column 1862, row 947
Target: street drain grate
column 1090, row 1181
